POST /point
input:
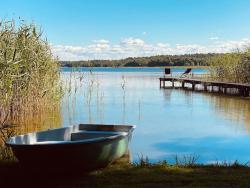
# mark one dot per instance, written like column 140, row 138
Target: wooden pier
column 207, row 86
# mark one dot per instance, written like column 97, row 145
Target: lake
column 169, row 122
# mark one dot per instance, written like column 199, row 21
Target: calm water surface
column 169, row 122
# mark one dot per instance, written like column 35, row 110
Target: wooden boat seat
column 110, row 128
column 82, row 135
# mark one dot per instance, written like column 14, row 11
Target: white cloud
column 144, row 33
column 135, row 47
column 163, row 45
column 98, row 47
column 227, row 46
column 133, row 42
column 190, row 48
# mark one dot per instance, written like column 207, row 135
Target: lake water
column 169, row 122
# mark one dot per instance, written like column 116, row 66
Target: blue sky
column 111, row 29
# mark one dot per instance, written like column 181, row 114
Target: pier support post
column 241, row 91
column 220, row 89
column 205, row 87
column 193, row 86
column 246, row 92
column 173, row 83
column 163, row 83
column 183, row 84
column 225, row 90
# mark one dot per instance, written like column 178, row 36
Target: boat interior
column 75, row 133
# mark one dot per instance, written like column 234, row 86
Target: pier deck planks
column 243, row 89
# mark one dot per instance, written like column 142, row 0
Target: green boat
column 85, row 146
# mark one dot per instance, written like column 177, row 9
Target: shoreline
column 123, row 174
column 174, row 67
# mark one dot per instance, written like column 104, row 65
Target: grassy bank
column 131, row 175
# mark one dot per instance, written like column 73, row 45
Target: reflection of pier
column 208, row 86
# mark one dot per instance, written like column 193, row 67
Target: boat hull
column 88, row 155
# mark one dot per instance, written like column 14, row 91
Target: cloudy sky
column 114, row 29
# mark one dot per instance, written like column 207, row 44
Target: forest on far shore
column 153, row 61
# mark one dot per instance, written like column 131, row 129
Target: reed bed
column 232, row 67
column 29, row 77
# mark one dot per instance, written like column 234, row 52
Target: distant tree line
column 153, row 61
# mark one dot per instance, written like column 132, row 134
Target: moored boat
column 88, row 146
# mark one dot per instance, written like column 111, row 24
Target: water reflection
column 232, row 108
column 165, row 119
column 208, row 149
column 37, row 122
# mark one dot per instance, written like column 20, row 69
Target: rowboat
column 88, row 146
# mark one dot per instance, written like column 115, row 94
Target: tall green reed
column 29, row 74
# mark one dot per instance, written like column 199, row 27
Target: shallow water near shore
column 170, row 122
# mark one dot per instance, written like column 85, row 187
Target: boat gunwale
column 53, row 143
